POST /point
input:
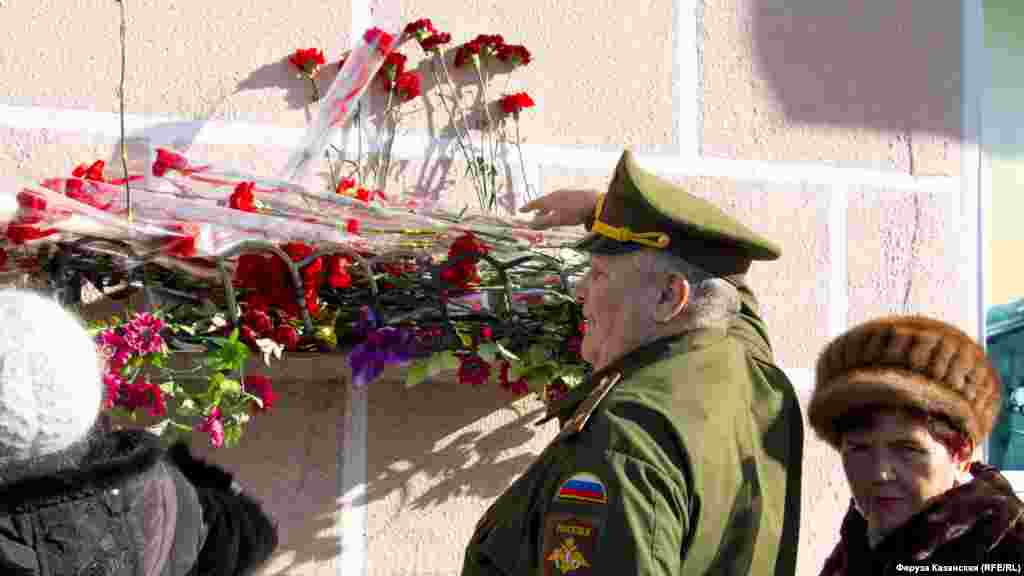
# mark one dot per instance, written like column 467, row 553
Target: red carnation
column 420, row 28
column 490, row 44
column 407, row 86
column 363, row 194
column 262, row 388
column 345, row 184
column 249, row 270
column 182, row 245
column 466, row 52
column 91, row 172
column 76, row 191
column 519, row 387
column 242, row 198
column 467, row 243
column 352, row 226
column 259, row 321
column 337, row 272
column 436, row 41
column 248, row 335
column 473, row 370
column 286, row 335
column 142, row 394
column 298, row 251
column 464, row 273
column 307, row 60
column 514, row 103
column 31, row 201
column 168, row 160
column 393, row 67
column 515, row 54
column 21, row 233
column 382, row 38
column 425, row 33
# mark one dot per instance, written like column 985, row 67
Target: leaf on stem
column 488, row 351
column 417, row 372
column 506, row 353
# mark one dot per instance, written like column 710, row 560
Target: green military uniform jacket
column 684, row 457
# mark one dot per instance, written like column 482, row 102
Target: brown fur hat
column 906, row 361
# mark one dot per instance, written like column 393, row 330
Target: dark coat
column 981, row 522
column 132, row 509
column 683, row 458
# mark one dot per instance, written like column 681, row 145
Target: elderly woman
column 78, row 501
column 905, row 401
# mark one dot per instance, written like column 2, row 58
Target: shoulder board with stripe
column 579, row 419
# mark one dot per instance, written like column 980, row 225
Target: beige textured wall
column 835, row 130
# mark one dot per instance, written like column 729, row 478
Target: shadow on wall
column 423, row 449
column 283, row 75
column 288, row 460
column 894, row 66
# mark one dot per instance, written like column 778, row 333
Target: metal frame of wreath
column 427, row 301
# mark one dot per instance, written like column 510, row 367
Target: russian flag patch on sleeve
column 582, row 487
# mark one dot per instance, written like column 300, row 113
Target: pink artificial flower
column 112, row 384
column 213, row 426
column 142, row 334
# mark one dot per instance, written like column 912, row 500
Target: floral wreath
column 236, row 265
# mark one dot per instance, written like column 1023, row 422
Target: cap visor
column 598, row 244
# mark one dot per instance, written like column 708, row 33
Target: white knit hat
column 50, row 381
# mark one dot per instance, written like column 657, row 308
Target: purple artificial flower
column 382, row 348
column 366, row 324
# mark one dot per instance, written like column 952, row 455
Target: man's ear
column 674, row 296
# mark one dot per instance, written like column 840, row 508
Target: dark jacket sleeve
column 188, row 527
column 240, row 535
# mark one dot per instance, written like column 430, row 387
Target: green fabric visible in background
column 1005, row 341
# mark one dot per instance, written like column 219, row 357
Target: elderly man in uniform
column 682, row 454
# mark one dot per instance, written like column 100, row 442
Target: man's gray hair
column 713, row 301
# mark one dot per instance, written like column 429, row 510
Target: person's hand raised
column 565, row 207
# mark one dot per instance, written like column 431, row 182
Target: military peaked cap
column 642, row 210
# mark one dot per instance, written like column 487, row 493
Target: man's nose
column 881, row 465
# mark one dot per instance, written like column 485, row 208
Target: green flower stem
column 332, row 170
column 316, row 89
column 359, row 135
column 385, row 160
column 178, row 426
column 522, row 163
column 457, row 114
column 487, row 137
column 260, row 245
column 229, row 291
